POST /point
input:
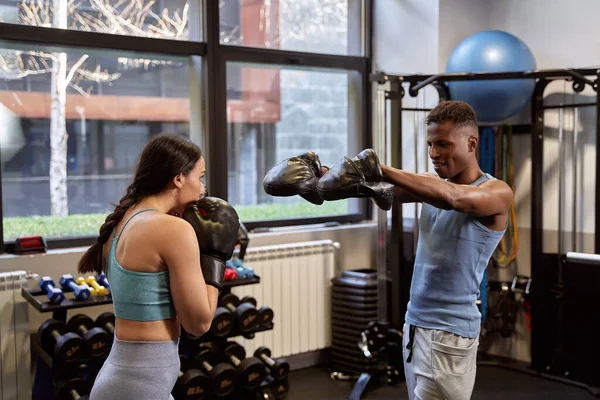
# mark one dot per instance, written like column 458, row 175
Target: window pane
column 275, row 113
column 164, row 19
column 317, row 26
column 113, row 104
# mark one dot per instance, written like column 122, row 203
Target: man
column 463, row 218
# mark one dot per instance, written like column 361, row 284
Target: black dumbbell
column 55, row 295
column 221, row 325
column 280, row 389
column 223, row 375
column 273, row 390
column 97, row 338
column 106, row 321
column 265, row 315
column 192, row 383
column 57, row 340
column 245, row 312
column 279, row 369
column 252, row 369
column 222, row 322
column 73, row 389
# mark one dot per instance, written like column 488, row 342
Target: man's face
column 450, row 148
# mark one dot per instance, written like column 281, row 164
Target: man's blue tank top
column 138, row 296
column 453, row 250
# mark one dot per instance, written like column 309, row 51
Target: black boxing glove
column 216, row 224
column 242, row 240
column 357, row 177
column 296, row 175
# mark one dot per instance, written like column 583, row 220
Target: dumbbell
column 106, row 321
column 81, row 281
column 100, row 290
column 230, row 274
column 223, row 375
column 279, row 369
column 55, row 295
column 103, row 280
column 73, row 389
column 57, row 340
column 246, row 314
column 221, row 325
column 222, row 322
column 81, row 292
column 192, row 383
column 265, row 315
column 274, row 390
column 97, row 338
column 252, row 369
column 280, row 389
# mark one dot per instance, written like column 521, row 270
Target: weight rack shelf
column 59, row 310
column 242, row 282
column 45, row 306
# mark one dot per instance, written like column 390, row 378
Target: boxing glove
column 296, row 175
column 242, row 240
column 358, row 177
column 216, row 224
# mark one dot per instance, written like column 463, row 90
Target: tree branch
column 73, row 69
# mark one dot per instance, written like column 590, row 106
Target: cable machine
column 564, row 302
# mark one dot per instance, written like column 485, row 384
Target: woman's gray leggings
column 138, row 371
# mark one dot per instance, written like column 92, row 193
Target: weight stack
column 353, row 306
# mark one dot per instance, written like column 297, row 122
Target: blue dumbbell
column 243, row 271
column 81, row 292
column 103, row 280
column 55, row 295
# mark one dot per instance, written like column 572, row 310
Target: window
column 275, row 113
column 163, row 19
column 114, row 103
column 321, row 26
column 251, row 81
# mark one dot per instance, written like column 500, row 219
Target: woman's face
column 191, row 187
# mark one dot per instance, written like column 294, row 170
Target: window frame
column 211, row 72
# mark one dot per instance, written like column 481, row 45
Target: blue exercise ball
column 492, row 51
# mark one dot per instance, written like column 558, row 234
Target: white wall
column 458, row 20
column 405, row 36
column 561, row 33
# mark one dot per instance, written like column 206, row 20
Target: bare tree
column 125, row 17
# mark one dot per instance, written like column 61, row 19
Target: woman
column 152, row 260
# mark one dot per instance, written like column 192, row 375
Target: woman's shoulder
column 169, row 223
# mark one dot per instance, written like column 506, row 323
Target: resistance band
column 506, row 252
column 487, row 154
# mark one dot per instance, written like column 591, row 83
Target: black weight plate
column 353, row 326
column 372, row 314
column 346, row 331
column 351, row 321
column 354, row 291
column 354, row 299
column 354, row 306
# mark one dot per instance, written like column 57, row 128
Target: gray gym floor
column 492, row 383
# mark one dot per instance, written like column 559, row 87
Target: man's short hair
column 458, row 112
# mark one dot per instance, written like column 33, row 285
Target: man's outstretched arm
column 490, row 198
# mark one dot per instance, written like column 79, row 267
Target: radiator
column 15, row 374
column 295, row 283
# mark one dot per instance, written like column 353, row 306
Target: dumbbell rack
column 188, row 346
column 59, row 311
